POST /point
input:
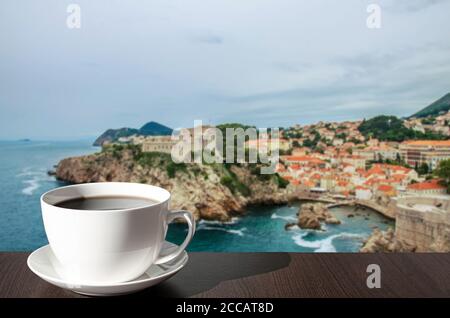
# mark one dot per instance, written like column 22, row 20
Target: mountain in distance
column 155, row 129
column 441, row 105
column 114, row 134
column 149, row 129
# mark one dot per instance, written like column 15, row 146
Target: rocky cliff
column 212, row 192
column 385, row 242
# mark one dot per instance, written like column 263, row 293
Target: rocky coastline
column 385, row 242
column 312, row 215
column 209, row 191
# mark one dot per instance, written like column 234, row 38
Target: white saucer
column 40, row 263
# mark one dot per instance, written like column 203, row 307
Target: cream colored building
column 158, row 144
column 431, row 152
column 328, row 182
column 283, row 144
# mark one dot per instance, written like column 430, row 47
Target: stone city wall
column 424, row 222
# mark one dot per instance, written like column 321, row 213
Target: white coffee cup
column 99, row 247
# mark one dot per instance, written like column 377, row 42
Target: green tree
column 391, row 128
column 443, row 172
column 342, row 136
column 423, row 169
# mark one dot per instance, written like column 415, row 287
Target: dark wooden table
column 268, row 275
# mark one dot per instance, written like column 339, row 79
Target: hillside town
column 384, row 164
column 335, row 158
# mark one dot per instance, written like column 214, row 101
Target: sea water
column 23, row 175
column 262, row 229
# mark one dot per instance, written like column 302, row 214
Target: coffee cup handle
column 172, row 215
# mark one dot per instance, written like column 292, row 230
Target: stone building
column 431, row 152
column 423, row 222
column 158, row 144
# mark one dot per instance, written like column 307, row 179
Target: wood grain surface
column 268, row 275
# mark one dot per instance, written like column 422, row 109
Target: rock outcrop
column 211, row 192
column 310, row 216
column 384, row 242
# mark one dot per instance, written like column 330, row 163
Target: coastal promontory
column 209, row 191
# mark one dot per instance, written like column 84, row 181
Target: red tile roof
column 385, row 188
column 427, row 185
column 307, row 159
column 439, row 143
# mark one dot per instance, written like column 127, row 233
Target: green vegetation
column 282, row 183
column 312, row 143
column 159, row 159
column 396, row 162
column 428, row 121
column 146, row 159
column 282, row 152
column 342, row 136
column 443, row 172
column 231, row 181
column 223, row 129
column 441, row 105
column 256, row 170
column 295, row 144
column 149, row 129
column 292, row 133
column 114, row 134
column 116, row 150
column 355, row 141
column 152, row 159
column 164, row 161
column 155, row 129
column 390, row 128
column 228, row 182
column 423, row 169
column 173, row 167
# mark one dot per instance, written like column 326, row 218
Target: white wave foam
column 324, row 245
column 239, row 232
column 32, row 185
column 233, row 220
column 29, row 171
column 288, row 218
column 36, row 177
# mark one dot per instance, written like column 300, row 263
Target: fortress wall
column 426, row 230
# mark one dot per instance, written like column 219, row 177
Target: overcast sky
column 267, row 63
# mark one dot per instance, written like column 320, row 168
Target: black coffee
column 105, row 203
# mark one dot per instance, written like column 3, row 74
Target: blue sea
column 23, row 175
